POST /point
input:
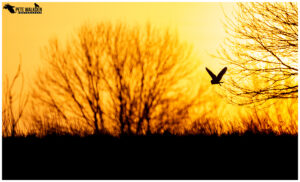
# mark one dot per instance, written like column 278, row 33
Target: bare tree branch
column 261, row 52
column 12, row 112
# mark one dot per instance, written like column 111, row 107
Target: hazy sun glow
column 198, row 23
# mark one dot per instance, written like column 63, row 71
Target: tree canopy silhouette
column 261, row 52
column 128, row 80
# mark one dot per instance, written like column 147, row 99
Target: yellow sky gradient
column 200, row 24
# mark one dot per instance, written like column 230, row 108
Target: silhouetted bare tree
column 262, row 51
column 146, row 69
column 72, row 82
column 131, row 79
column 13, row 103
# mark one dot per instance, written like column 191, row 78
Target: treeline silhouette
column 120, row 80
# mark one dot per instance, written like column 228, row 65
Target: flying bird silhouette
column 36, row 5
column 9, row 7
column 216, row 79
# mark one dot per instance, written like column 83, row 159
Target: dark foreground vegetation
column 151, row 157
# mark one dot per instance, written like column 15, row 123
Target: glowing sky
column 198, row 23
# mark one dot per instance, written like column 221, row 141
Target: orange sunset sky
column 200, row 24
column 24, row 35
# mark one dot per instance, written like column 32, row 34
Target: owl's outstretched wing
column 213, row 76
column 220, row 75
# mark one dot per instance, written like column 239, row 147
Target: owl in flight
column 216, row 79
